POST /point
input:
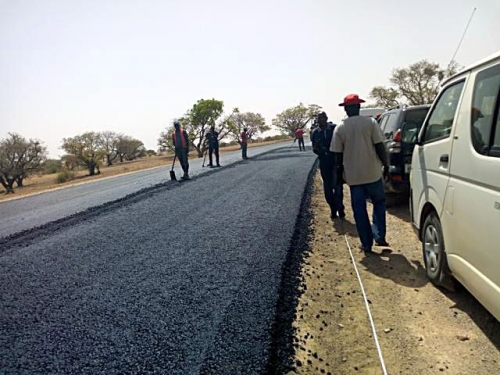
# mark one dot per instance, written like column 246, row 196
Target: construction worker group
column 351, row 153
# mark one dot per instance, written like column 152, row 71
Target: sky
column 71, row 66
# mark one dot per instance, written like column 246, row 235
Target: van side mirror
column 409, row 133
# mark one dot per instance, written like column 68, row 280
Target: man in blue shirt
column 321, row 138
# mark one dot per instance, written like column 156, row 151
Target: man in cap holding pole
column 361, row 157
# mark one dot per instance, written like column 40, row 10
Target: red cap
column 351, row 99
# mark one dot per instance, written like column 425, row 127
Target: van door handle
column 444, row 158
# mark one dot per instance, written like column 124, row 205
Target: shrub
column 64, row 176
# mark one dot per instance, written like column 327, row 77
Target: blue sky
column 133, row 66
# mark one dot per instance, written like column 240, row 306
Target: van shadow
column 468, row 304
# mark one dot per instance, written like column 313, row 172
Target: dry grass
column 42, row 183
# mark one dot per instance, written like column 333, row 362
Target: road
column 25, row 213
column 182, row 280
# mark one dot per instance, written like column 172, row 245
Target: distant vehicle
column 400, row 144
column 371, row 112
column 455, row 183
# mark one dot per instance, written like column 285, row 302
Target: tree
column 18, row 159
column 384, row 97
column 416, row 84
column 253, row 122
column 87, row 148
column 129, row 148
column 292, row 118
column 165, row 142
column 108, row 141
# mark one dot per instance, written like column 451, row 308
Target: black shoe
column 342, row 214
column 218, row 165
column 381, row 242
column 366, row 249
column 210, row 166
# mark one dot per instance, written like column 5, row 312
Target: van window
column 495, row 147
column 484, row 103
column 443, row 114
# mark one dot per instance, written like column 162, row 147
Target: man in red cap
column 361, row 155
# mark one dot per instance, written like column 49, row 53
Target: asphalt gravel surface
column 183, row 279
column 27, row 212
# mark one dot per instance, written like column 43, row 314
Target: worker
column 321, row 138
column 212, row 139
column 299, row 135
column 244, row 143
column 180, row 139
column 358, row 144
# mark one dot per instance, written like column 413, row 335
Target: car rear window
column 416, row 116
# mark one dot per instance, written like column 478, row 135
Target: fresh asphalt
column 25, row 213
column 181, row 280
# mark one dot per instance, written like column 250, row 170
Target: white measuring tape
column 381, row 358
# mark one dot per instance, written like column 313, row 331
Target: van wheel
column 433, row 247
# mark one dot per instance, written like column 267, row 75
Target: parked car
column 400, row 144
column 455, row 183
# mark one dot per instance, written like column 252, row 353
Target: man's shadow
column 395, row 267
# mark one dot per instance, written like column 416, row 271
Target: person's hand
column 386, row 173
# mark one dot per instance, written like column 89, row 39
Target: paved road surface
column 25, row 213
column 181, row 281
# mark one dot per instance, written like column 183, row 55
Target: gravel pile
column 180, row 279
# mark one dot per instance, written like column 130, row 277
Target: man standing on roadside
column 299, row 135
column 212, row 138
column 244, row 143
column 321, row 138
column 361, row 155
column 180, row 140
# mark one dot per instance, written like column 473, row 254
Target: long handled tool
column 172, row 172
column 293, row 142
column 204, row 158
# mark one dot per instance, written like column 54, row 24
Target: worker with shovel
column 299, row 135
column 212, row 139
column 180, row 140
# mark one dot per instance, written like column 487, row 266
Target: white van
column 455, row 183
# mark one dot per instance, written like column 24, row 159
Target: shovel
column 172, row 172
column 204, row 157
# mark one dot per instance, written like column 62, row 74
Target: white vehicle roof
column 477, row 64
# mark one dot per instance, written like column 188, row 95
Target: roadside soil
column 40, row 183
column 421, row 329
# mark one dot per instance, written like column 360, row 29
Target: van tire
column 433, row 248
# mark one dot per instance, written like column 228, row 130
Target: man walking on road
column 299, row 135
column 244, row 143
column 180, row 140
column 360, row 153
column 212, row 138
column 321, row 138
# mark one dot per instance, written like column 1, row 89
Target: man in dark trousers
column 321, row 138
column 244, row 143
column 212, row 138
column 180, row 140
column 358, row 144
column 299, row 136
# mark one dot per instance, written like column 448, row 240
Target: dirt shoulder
column 41, row 183
column 421, row 329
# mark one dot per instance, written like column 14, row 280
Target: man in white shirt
column 361, row 155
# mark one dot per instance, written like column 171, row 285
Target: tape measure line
column 380, row 356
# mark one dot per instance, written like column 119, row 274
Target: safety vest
column 183, row 138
